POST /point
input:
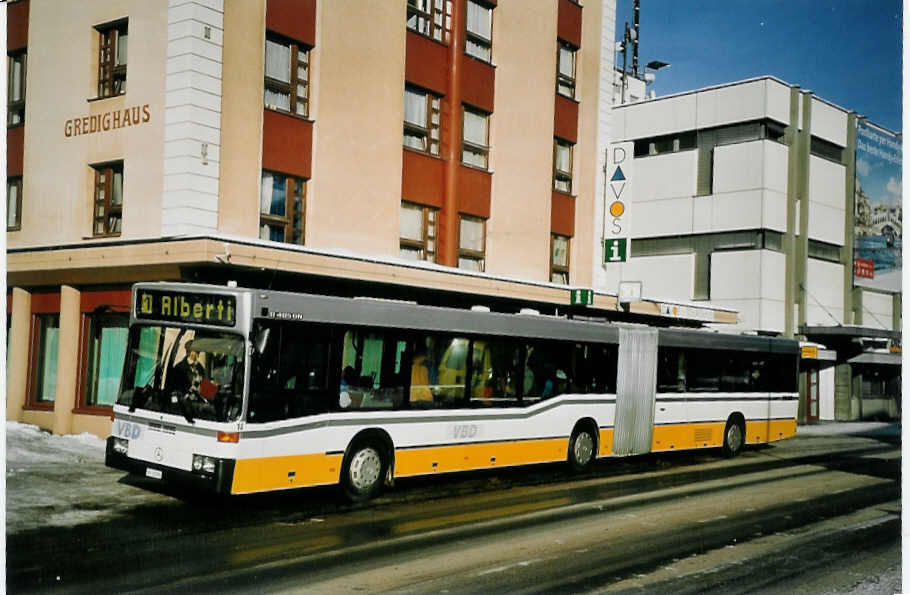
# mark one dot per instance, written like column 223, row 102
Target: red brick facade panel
column 16, row 25
column 15, row 139
column 425, row 63
column 287, row 144
column 565, row 119
column 562, row 214
column 473, row 189
column 292, row 18
column 568, row 24
column 477, row 80
column 422, row 180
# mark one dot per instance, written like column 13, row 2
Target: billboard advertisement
column 878, row 212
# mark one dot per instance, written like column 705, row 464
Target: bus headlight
column 203, row 464
column 121, row 446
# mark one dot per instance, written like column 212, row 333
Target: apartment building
column 747, row 196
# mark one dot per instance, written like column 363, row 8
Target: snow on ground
column 62, row 481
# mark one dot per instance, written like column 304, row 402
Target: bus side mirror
column 262, row 340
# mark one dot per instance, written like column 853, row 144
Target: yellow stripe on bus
column 275, row 473
column 687, row 436
column 464, row 457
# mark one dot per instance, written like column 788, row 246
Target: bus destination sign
column 202, row 308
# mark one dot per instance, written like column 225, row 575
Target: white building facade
column 742, row 196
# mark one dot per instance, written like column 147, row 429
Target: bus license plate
column 153, row 473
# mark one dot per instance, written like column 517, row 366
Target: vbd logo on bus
column 204, row 308
column 125, row 429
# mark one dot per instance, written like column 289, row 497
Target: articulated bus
column 245, row 390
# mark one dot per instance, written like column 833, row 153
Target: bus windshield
column 194, row 373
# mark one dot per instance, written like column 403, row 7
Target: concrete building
column 742, row 196
column 445, row 151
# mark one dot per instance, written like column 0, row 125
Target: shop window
column 282, row 203
column 565, row 72
column 471, row 243
column 287, row 76
column 562, row 166
column 479, row 30
column 429, row 18
column 15, row 90
column 418, row 232
column 14, row 203
column 112, row 58
column 46, row 329
column 559, row 259
column 105, row 349
column 421, row 120
column 475, row 148
column 108, row 199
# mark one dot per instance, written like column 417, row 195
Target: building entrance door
column 811, row 396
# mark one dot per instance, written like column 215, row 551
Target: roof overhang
column 820, row 333
column 876, row 358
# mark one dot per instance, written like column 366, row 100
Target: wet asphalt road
column 680, row 522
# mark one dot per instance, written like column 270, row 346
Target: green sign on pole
column 615, row 250
column 582, row 297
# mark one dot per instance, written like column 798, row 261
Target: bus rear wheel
column 734, row 437
column 581, row 448
column 363, row 471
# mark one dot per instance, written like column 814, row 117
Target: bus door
column 636, row 378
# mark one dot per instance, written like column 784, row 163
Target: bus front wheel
column 364, row 470
column 734, row 436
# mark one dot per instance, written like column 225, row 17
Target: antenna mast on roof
column 636, row 7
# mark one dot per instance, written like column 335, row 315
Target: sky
column 847, row 52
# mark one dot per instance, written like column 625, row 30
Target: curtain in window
column 117, row 188
column 120, row 59
column 412, row 223
column 273, row 194
column 15, row 79
column 475, row 128
column 560, row 251
column 471, row 235
column 563, row 158
column 48, row 341
column 566, row 62
column 12, row 201
column 415, row 108
column 478, row 20
column 110, row 364
column 277, row 61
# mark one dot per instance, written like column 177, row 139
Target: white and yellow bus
column 245, row 390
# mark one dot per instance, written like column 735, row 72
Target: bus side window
column 372, row 374
column 438, row 371
column 495, row 375
column 671, row 370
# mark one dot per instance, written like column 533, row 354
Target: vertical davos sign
column 879, row 209
column 616, row 237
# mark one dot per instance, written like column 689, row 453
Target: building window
column 562, row 166
column 112, row 59
column 559, row 259
column 46, row 332
column 421, row 120
column 418, row 232
column 287, row 76
column 475, row 148
column 105, row 350
column 282, row 204
column 13, row 203
column 15, row 90
column 479, row 30
column 428, row 18
column 471, row 243
column 565, row 73
column 108, row 199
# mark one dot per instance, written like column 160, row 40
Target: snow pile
column 62, row 481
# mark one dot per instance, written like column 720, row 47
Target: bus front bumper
column 219, row 482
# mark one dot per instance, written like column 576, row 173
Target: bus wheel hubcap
column 584, row 448
column 365, row 468
column 734, row 437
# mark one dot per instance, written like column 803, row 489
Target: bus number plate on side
column 153, row 473
column 125, row 429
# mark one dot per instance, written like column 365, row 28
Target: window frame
column 433, row 111
column 36, row 399
column 476, row 38
column 110, row 210
column 564, row 80
column 14, row 181
column 111, row 73
column 470, row 146
column 437, row 31
column 560, row 269
column 430, row 222
column 90, row 324
column 562, row 179
column 291, row 213
column 295, row 48
column 467, row 253
column 15, row 108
